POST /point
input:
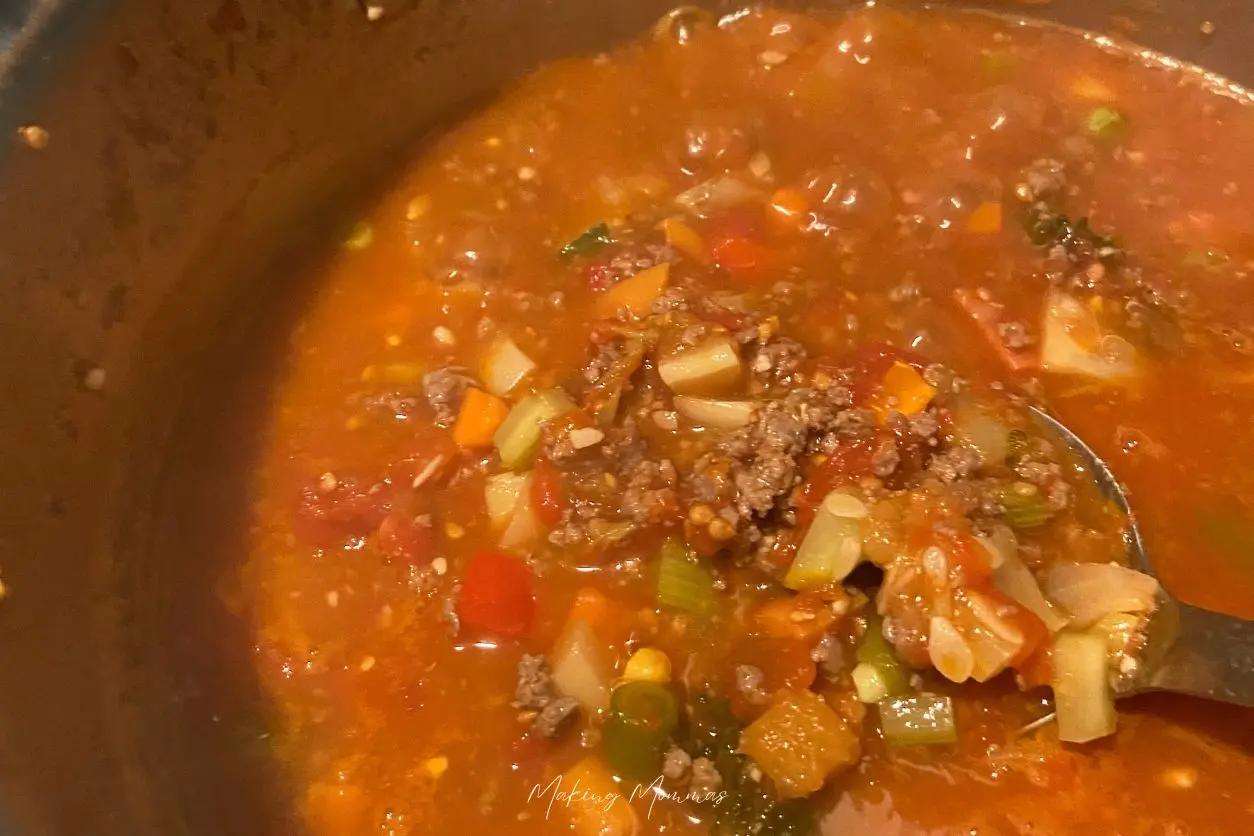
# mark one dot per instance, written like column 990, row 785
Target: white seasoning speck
column 1208, row 28
column 94, row 380
column 439, row 565
column 333, row 599
column 367, row 663
column 526, row 173
column 443, row 336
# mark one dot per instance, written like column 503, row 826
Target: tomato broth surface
column 655, row 458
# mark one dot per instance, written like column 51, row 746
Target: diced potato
column 800, row 742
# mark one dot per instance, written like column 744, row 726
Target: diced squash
column 601, row 808
column 684, row 238
column 635, row 294
column 800, row 742
column 479, row 418
column 902, row 390
column 986, row 219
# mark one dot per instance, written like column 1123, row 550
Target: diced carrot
column 612, row 621
column 803, row 617
column 786, row 208
column 684, row 238
column 478, row 419
column 986, row 219
column 902, row 390
column 637, row 293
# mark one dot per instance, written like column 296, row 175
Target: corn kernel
column 648, row 664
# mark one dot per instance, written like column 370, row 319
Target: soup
column 659, row 458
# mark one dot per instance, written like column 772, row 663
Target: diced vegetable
column 981, row 430
column 1089, row 591
column 994, row 635
column 799, row 743
column 902, row 390
column 713, row 196
column 1072, row 342
column 682, row 582
column 359, row 237
column 596, row 237
column 478, row 419
column 1082, row 694
column 1015, row 580
column 518, row 437
column 548, row 494
column 505, row 366
column 788, row 209
column 869, row 683
column 712, row 365
column 803, row 617
column 874, row 650
column 684, row 238
column 635, row 294
column 501, row 493
column 1023, row 507
column 715, row 414
column 614, row 816
column 833, row 545
column 643, row 718
column 523, row 526
column 985, row 219
column 949, row 651
column 497, row 596
column 1106, row 122
column 742, row 257
column 919, row 720
column 648, row 664
column 582, row 665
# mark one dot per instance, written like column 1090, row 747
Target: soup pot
column 169, row 172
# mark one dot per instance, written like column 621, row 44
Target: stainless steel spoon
column 1188, row 650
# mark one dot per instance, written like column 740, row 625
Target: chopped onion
column 994, row 642
column 712, row 365
column 833, row 545
column 715, row 414
column 1082, row 694
column 712, row 196
column 582, row 667
column 1015, row 580
column 504, row 366
column 949, row 651
column 1089, row 591
column 1072, row 342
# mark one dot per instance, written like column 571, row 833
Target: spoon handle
column 1212, row 657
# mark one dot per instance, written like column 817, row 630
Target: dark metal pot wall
column 163, row 236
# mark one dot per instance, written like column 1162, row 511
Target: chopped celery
column 919, row 720
column 1024, row 507
column 518, row 437
column 873, row 649
column 833, row 545
column 1105, row 122
column 706, row 368
column 643, row 717
column 1082, row 694
column 592, row 239
column 682, row 582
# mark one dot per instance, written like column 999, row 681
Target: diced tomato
column 497, row 596
column 339, row 508
column 403, row 539
column 1037, row 670
column 744, row 258
column 968, row 557
column 784, row 663
column 548, row 494
column 849, row 461
column 870, row 363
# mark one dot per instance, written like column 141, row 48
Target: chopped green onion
column 919, row 720
column 593, row 239
column 1082, row 694
column 518, row 437
column 1023, row 508
column 833, row 545
column 1105, row 122
column 360, row 237
column 682, row 582
column 643, row 717
column 874, row 650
